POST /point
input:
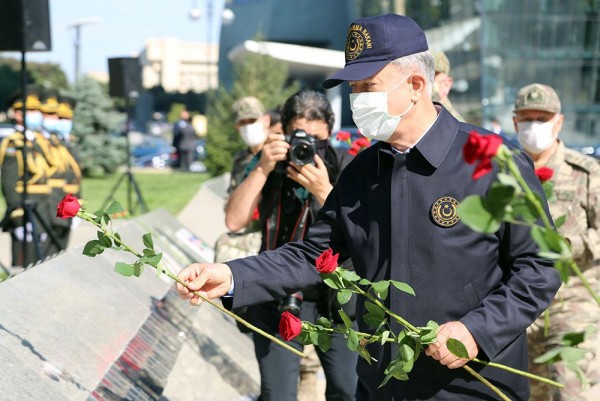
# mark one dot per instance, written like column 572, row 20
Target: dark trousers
column 280, row 369
column 186, row 158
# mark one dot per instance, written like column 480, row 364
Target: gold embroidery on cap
column 444, row 212
column 358, row 38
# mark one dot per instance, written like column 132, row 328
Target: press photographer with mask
column 289, row 181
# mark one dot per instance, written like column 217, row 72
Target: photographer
column 289, row 180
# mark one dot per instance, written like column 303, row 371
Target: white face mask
column 253, row 134
column 370, row 113
column 535, row 136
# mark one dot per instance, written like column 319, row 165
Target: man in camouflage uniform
column 252, row 124
column 442, row 83
column 576, row 179
column 13, row 169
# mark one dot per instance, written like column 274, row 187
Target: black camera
column 291, row 303
column 303, row 148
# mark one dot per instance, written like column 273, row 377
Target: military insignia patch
column 357, row 40
column 443, row 212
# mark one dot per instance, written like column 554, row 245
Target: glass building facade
column 519, row 42
column 495, row 47
column 555, row 42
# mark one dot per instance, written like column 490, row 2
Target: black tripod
column 128, row 175
column 30, row 231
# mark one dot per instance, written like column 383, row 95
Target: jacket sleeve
column 586, row 245
column 528, row 286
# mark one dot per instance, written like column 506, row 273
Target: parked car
column 157, row 152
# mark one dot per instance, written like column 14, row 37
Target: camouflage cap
column 537, row 97
column 442, row 64
column 248, row 108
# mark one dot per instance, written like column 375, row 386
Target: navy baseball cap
column 373, row 42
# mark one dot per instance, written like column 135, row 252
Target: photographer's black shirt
column 283, row 200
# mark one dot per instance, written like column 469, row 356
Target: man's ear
column 419, row 83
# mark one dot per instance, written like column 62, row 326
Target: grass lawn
column 160, row 189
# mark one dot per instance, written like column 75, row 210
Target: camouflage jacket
column 238, row 171
column 577, row 188
column 448, row 105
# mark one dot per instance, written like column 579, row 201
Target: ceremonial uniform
column 577, row 190
column 382, row 214
column 64, row 175
column 13, row 167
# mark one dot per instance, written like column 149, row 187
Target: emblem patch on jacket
column 443, row 212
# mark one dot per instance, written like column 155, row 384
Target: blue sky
column 125, row 26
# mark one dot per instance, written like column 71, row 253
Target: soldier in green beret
column 576, row 177
column 442, row 83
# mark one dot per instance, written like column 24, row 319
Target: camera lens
column 303, row 154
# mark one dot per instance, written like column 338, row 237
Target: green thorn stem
column 90, row 218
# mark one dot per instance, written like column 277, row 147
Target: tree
column 42, row 75
column 99, row 146
column 257, row 75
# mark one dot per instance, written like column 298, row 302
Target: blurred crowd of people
column 38, row 167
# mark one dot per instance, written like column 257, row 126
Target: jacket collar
column 435, row 144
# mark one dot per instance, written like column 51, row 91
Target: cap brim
column 535, row 109
column 355, row 72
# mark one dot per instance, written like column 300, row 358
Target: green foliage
column 257, row 75
column 107, row 239
column 95, row 123
column 174, row 112
column 42, row 75
column 568, row 352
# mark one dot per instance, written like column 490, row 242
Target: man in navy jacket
column 393, row 212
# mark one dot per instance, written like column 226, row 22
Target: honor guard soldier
column 64, row 175
column 23, row 169
column 65, row 137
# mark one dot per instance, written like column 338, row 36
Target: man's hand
column 274, row 150
column 212, row 280
column 315, row 178
column 440, row 352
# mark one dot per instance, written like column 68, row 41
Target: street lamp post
column 77, row 26
column 195, row 14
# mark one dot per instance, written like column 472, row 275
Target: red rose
column 68, row 207
column 343, row 136
column 290, row 326
column 327, row 262
column 354, row 149
column 363, row 142
column 255, row 214
column 481, row 148
column 544, row 173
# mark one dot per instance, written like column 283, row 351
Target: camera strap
column 274, row 220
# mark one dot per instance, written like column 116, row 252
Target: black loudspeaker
column 125, row 77
column 25, row 26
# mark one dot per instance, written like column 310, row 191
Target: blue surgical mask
column 64, row 129
column 33, row 120
column 50, row 125
column 66, row 126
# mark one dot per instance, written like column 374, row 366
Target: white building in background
column 179, row 66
